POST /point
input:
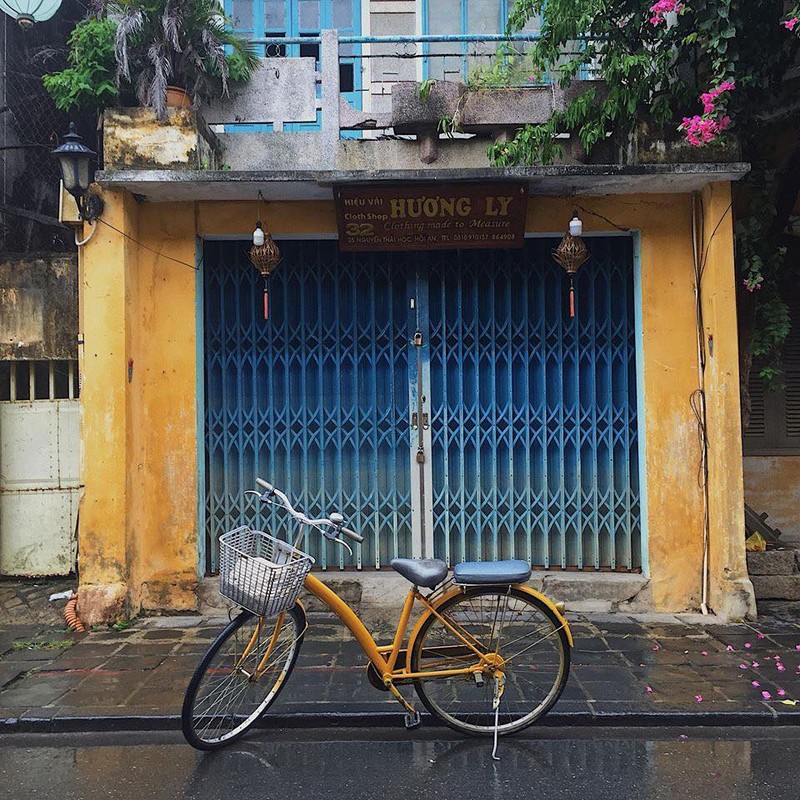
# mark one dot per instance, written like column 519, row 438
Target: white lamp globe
column 26, row 12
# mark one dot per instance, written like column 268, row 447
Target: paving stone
column 133, row 663
column 8, row 672
column 37, row 690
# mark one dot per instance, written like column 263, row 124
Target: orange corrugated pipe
column 71, row 616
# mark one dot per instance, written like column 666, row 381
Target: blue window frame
column 296, row 19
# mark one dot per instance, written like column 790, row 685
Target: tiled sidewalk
column 625, row 671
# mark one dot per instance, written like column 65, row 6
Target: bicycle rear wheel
column 240, row 677
column 531, row 651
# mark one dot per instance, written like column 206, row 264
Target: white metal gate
column 39, row 467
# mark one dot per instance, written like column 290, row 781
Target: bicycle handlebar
column 271, row 491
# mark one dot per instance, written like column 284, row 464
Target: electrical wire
column 605, row 219
column 194, row 267
column 697, row 400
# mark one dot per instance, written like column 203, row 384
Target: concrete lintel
column 562, row 180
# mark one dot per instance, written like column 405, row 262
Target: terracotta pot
column 178, row 98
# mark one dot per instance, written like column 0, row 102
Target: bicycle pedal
column 412, row 720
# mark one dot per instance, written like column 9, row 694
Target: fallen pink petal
column 781, row 693
column 747, row 645
column 729, row 648
column 766, row 695
column 781, row 668
column 704, row 652
column 648, row 689
column 756, row 683
column 655, row 648
column 762, row 635
column 742, row 666
column 699, row 698
column 755, row 665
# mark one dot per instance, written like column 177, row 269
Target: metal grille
column 38, row 380
column 315, row 399
column 533, row 413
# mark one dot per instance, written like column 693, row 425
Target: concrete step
column 378, row 595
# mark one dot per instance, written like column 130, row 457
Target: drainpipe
column 698, row 399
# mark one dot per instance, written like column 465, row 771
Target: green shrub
column 88, row 84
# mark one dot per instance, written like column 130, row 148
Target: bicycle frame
column 384, row 658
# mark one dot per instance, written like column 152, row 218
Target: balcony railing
column 345, row 83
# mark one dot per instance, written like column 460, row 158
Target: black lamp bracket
column 90, row 206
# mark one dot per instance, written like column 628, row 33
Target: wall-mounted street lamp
column 75, row 159
column 27, row 12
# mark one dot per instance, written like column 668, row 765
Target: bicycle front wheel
column 240, row 677
column 529, row 652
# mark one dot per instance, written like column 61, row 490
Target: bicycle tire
column 461, row 702
column 218, row 686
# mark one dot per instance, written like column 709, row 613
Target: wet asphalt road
column 673, row 764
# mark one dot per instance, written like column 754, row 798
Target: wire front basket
column 259, row 572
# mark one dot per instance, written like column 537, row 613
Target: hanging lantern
column 571, row 254
column 26, row 12
column 265, row 256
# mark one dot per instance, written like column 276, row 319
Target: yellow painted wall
column 159, row 413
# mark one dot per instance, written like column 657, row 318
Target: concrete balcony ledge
column 281, row 184
column 489, row 111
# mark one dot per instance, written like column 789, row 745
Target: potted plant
column 177, row 52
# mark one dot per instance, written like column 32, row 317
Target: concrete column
column 731, row 593
column 329, row 66
column 106, row 265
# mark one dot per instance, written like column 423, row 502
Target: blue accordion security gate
column 443, row 401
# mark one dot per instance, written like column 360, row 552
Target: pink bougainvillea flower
column 787, row 23
column 648, row 689
column 797, row 647
column 781, row 693
column 699, row 698
column 766, row 695
column 755, row 665
column 662, row 7
column 704, row 652
column 781, row 668
column 747, row 645
column 756, row 683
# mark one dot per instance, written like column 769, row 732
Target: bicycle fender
column 551, row 605
column 457, row 590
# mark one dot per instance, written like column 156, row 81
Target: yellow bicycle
column 488, row 655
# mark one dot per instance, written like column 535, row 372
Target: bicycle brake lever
column 344, row 544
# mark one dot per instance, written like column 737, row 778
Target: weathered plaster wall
column 159, row 415
column 161, row 386
column 106, row 269
column 731, row 593
column 38, row 307
column 772, row 485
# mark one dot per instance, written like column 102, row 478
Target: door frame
column 421, row 544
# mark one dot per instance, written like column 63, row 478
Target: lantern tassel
column 571, row 297
column 266, row 301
